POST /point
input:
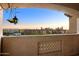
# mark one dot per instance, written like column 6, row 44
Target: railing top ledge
column 42, row 35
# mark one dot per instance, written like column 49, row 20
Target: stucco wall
column 78, row 25
column 73, row 24
column 1, row 18
column 32, row 45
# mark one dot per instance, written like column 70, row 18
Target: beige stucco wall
column 78, row 25
column 1, row 19
column 73, row 24
column 30, row 45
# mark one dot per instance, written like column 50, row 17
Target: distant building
column 18, row 32
column 11, row 32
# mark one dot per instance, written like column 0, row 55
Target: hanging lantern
column 12, row 16
column 14, row 20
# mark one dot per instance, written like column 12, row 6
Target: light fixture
column 12, row 17
column 13, row 20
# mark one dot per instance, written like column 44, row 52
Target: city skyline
column 35, row 18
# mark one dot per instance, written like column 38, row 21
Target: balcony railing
column 53, row 45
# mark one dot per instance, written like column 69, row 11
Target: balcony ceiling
column 70, row 5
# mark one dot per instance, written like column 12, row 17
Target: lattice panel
column 49, row 46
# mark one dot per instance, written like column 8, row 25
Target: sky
column 35, row 18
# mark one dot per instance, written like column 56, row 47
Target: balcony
column 43, row 45
column 50, row 45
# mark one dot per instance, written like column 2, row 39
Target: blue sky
column 37, row 16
